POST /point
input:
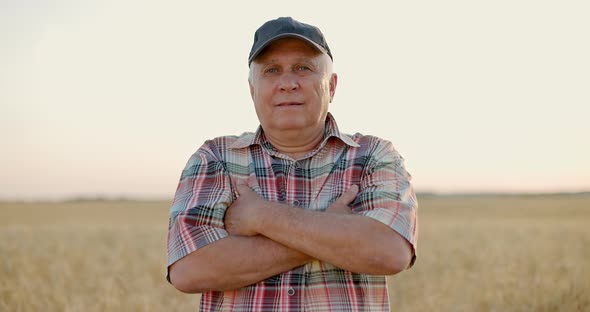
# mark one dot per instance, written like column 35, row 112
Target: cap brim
column 287, row 35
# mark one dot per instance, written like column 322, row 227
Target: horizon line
column 139, row 198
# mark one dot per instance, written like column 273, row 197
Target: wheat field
column 475, row 253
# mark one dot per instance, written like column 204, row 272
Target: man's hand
column 242, row 214
column 341, row 204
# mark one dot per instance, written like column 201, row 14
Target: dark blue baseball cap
column 284, row 27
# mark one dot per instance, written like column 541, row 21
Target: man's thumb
column 242, row 188
column 349, row 196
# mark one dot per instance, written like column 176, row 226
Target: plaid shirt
column 314, row 182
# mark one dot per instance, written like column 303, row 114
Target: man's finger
column 242, row 188
column 349, row 196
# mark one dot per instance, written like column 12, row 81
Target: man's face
column 291, row 84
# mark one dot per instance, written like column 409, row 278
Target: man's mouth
column 290, row 104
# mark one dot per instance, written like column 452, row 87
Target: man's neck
column 296, row 144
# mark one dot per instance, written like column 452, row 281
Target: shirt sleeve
column 202, row 196
column 386, row 193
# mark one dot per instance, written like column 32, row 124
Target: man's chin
column 290, row 124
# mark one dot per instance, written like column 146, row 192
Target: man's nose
column 288, row 82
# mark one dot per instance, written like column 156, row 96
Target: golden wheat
column 475, row 254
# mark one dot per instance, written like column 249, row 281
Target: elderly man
column 296, row 216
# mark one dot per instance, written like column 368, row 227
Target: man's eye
column 303, row 68
column 271, row 70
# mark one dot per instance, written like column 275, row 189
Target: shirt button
column 296, row 203
column 296, row 164
column 291, row 291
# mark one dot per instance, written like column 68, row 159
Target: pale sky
column 111, row 98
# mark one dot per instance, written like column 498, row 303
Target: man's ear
column 333, row 83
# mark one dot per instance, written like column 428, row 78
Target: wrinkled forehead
column 287, row 44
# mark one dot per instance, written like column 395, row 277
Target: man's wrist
column 267, row 215
column 261, row 216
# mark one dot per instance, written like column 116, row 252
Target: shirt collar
column 258, row 138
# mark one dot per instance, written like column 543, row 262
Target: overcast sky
column 111, row 98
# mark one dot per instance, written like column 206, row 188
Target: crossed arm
column 268, row 238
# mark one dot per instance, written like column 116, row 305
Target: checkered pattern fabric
column 207, row 188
